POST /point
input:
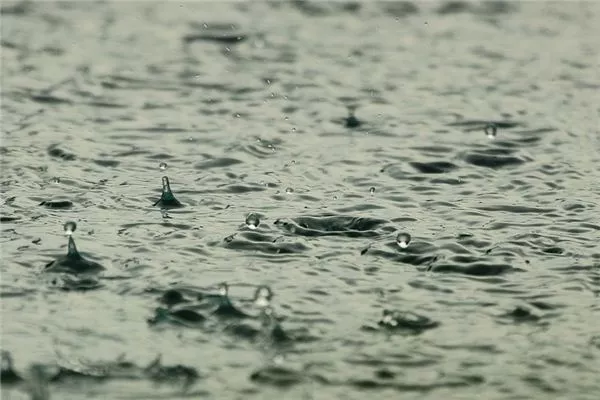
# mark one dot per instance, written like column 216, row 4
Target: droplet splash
column 70, row 227
column 403, row 239
column 252, row 221
column 490, row 131
column 162, row 166
column 389, row 318
column 263, row 296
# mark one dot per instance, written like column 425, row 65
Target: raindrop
column 70, row 227
column 223, row 289
column 372, row 189
column 162, row 166
column 289, row 190
column 263, row 296
column 490, row 131
column 252, row 221
column 403, row 239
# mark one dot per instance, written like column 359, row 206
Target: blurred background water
column 472, row 127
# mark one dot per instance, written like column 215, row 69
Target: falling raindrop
column 490, row 131
column 252, row 221
column 372, row 189
column 162, row 166
column 403, row 239
column 70, row 227
column 289, row 190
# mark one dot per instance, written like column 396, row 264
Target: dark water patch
column 68, row 283
column 434, row 167
column 399, row 9
column 218, row 163
column 241, row 189
column 485, row 159
column 475, row 268
column 5, row 218
column 49, row 99
column 320, row 9
column 331, row 225
column 520, row 314
column 273, row 247
column 284, row 377
column 479, row 125
column 57, row 204
column 515, row 209
column 55, row 151
column 107, row 163
column 402, row 321
column 454, row 7
column 223, row 38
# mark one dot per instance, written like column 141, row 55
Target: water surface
column 247, row 104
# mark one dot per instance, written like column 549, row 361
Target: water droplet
column 224, row 289
column 252, row 221
column 490, row 131
column 335, row 197
column 403, row 239
column 263, row 296
column 293, row 129
column 56, row 179
column 289, row 190
column 372, row 189
column 70, row 227
column 162, row 166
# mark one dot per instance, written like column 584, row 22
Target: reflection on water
column 355, row 197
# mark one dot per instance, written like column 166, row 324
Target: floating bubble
column 490, row 131
column 403, row 239
column 162, row 166
column 263, row 296
column 252, row 221
column 372, row 189
column 70, row 227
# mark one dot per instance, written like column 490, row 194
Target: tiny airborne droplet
column 252, row 221
column 162, row 166
column 490, row 131
column 70, row 227
column 403, row 239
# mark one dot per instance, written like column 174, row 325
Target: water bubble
column 403, row 239
column 70, row 227
column 263, row 296
column 252, row 221
column 162, row 166
column 490, row 131
column 372, row 189
column 289, row 190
